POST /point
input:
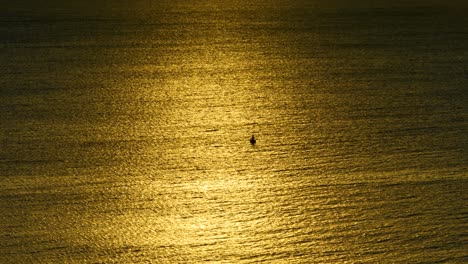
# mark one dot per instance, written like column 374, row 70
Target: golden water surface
column 125, row 133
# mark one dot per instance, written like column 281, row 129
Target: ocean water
column 125, row 132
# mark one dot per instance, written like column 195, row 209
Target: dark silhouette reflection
column 253, row 140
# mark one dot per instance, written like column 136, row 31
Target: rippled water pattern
column 125, row 132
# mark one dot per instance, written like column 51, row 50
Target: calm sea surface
column 125, row 132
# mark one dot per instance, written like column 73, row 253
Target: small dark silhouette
column 253, row 140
